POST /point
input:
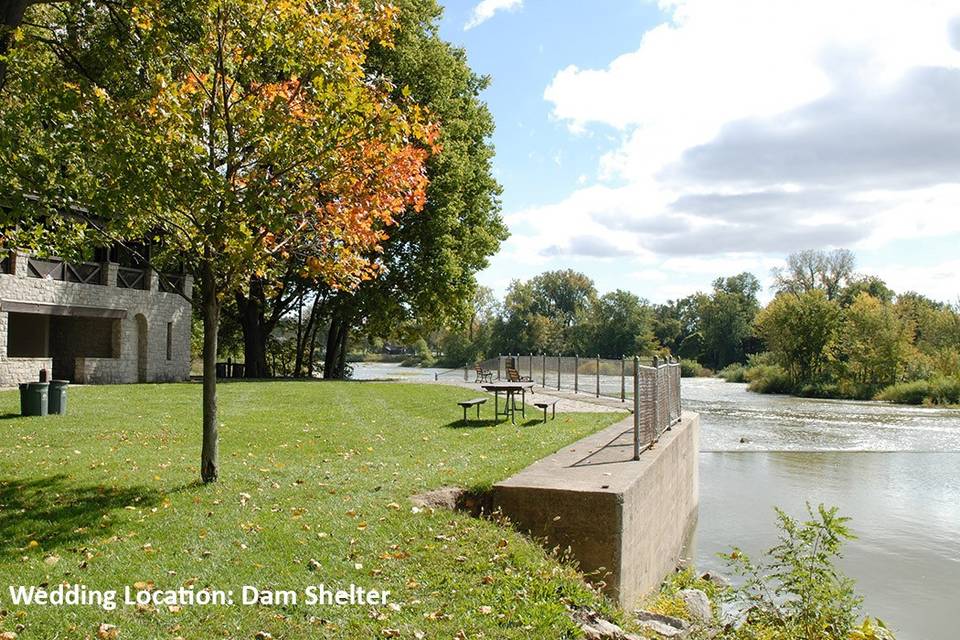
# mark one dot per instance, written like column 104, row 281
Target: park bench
column 514, row 376
column 483, row 375
column 466, row 404
column 544, row 404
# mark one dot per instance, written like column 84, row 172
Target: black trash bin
column 23, row 398
column 57, row 398
column 37, row 398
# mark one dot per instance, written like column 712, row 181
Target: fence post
column 466, row 376
column 543, row 369
column 623, row 379
column 499, row 363
column 530, row 366
column 636, row 407
column 576, row 373
column 598, row 375
column 656, row 398
column 559, row 365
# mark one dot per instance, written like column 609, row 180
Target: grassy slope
column 110, row 490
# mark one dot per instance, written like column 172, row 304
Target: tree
column 428, row 265
column 876, row 341
column 813, row 269
column 617, row 324
column 539, row 314
column 726, row 319
column 237, row 132
column 801, row 330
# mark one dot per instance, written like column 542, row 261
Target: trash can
column 57, row 398
column 37, row 398
column 23, row 398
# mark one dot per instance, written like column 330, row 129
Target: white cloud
column 749, row 129
column 486, row 9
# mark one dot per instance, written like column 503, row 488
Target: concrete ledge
column 624, row 521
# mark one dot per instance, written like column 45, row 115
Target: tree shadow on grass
column 55, row 512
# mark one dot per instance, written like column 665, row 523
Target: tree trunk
column 333, row 346
column 11, row 14
column 210, row 308
column 250, row 310
column 342, row 355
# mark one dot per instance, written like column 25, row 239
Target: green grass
column 107, row 497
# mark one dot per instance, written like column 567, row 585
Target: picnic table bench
column 466, row 404
column 544, row 404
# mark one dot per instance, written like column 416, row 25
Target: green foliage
column 422, row 356
column 801, row 330
column 797, row 589
column 693, row 369
column 726, row 319
column 736, row 372
column 938, row 390
column 769, row 378
column 616, row 324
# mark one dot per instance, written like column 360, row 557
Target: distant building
column 92, row 322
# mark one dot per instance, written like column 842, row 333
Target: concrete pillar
column 153, row 281
column 20, row 264
column 108, row 273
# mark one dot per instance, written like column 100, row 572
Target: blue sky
column 656, row 146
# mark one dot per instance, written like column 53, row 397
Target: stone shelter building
column 92, row 322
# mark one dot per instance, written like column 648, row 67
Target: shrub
column 735, row 372
column 693, row 369
column 797, row 590
column 769, row 378
column 940, row 390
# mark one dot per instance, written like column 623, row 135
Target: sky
column 656, row 146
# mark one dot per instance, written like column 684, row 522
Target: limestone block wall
column 137, row 354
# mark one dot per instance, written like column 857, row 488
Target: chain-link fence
column 483, row 371
column 652, row 385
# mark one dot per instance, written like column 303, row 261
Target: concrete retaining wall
column 624, row 521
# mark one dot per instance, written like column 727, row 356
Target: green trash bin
column 23, row 398
column 37, row 398
column 57, row 398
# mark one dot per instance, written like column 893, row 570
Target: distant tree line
column 828, row 332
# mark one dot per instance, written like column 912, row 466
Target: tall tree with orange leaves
column 240, row 133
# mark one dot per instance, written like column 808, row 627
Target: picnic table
column 510, row 391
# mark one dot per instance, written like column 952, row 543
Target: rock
column 698, row 604
column 665, row 626
column 596, row 628
column 717, row 579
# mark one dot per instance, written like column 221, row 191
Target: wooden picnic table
column 510, row 391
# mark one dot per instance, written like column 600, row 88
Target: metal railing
column 469, row 370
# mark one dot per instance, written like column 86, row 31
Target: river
column 894, row 470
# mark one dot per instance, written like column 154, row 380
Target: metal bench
column 466, row 404
column 483, row 375
column 544, row 404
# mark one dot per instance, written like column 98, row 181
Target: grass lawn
column 107, row 497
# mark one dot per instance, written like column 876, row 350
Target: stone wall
column 624, row 521
column 16, row 370
column 150, row 307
